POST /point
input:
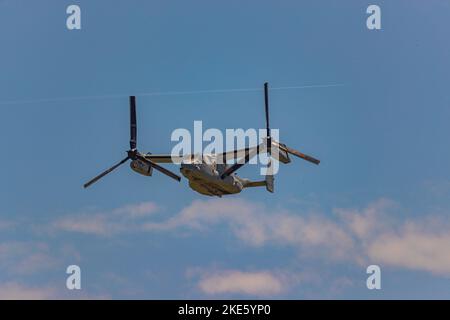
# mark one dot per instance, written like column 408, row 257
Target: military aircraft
column 205, row 173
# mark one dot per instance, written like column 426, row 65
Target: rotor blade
column 133, row 125
column 299, row 154
column 249, row 154
column 161, row 169
column 266, row 104
column 236, row 154
column 104, row 173
column 232, row 169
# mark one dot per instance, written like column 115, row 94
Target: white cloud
column 374, row 233
column 24, row 258
column 5, row 224
column 256, row 225
column 417, row 244
column 16, row 291
column 143, row 209
column 369, row 221
column 413, row 248
column 259, row 283
column 123, row 219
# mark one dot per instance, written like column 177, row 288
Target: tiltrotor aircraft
column 205, row 173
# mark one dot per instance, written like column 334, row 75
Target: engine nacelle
column 141, row 167
column 281, row 155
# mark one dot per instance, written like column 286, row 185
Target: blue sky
column 380, row 196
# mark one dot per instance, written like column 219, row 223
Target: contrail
column 310, row 86
column 161, row 93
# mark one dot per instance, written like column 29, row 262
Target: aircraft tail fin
column 269, row 182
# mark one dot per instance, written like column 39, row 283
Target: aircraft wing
column 277, row 152
column 160, row 158
column 232, row 155
column 244, row 156
column 240, row 153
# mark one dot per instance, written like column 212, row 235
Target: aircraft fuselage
column 205, row 179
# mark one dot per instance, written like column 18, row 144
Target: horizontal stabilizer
column 251, row 184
